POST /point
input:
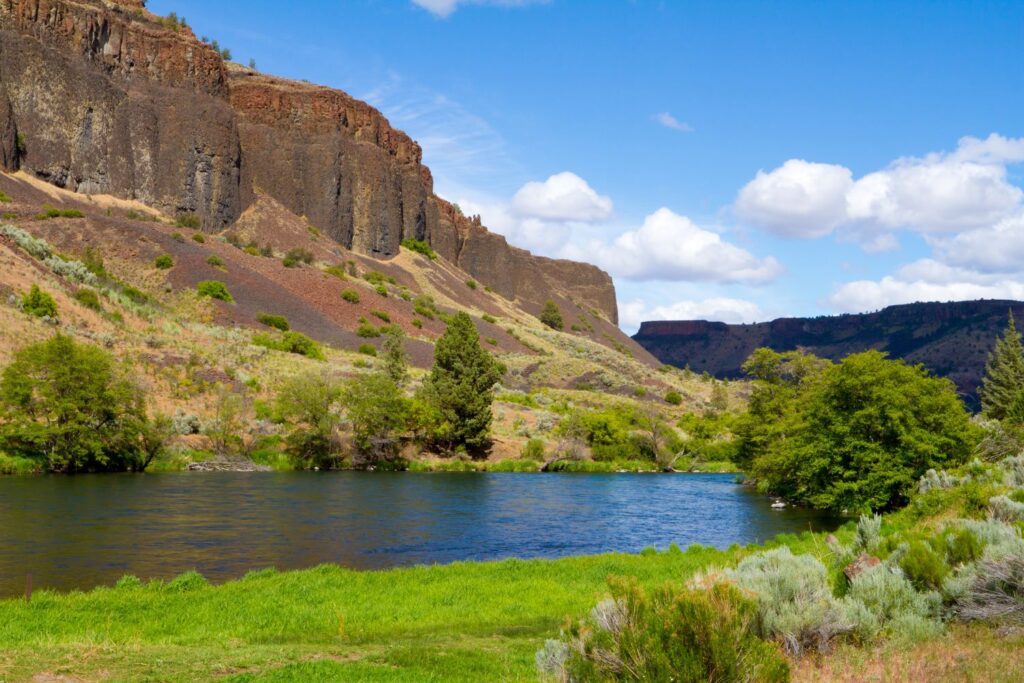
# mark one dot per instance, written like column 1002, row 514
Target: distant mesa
column 950, row 339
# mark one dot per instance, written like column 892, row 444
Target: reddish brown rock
column 862, row 563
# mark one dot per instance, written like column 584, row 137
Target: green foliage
column 88, row 298
column 925, row 568
column 396, row 360
column 70, row 407
column 420, row 247
column 673, row 397
column 377, row 412
column 290, row 342
column 417, row 323
column 172, row 21
column 534, row 449
column 461, row 386
column 5, row 198
column 376, row 277
column 367, row 331
column 278, row 322
column 381, row 289
column 471, row 284
column 424, row 305
column 215, row 261
column 178, row 237
column 351, row 296
column 367, row 349
column 199, row 238
column 215, row 289
column 336, row 271
column 1003, row 383
column 855, row 435
column 39, row 303
column 309, row 403
column 53, row 212
column 551, row 316
column 190, row 221
column 487, row 318
column 382, row 315
column 670, row 634
column 296, row 257
column 164, row 261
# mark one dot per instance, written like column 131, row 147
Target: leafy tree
column 309, row 403
column 460, row 385
column 551, row 316
column 1004, row 374
column 39, row 303
column 70, row 406
column 861, row 435
column 377, row 411
column 395, row 359
column 226, row 429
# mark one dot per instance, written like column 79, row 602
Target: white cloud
column 723, row 309
column 671, row 247
column 798, row 199
column 996, row 249
column 967, row 189
column 444, row 8
column 562, row 197
column 669, row 121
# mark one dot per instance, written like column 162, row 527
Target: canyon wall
column 104, row 97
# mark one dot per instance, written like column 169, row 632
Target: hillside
column 951, row 339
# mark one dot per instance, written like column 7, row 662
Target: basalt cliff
column 103, row 97
column 951, row 339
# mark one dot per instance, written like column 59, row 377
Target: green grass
column 458, row 622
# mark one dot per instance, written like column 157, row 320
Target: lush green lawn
column 459, row 622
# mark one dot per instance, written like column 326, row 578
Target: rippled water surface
column 78, row 532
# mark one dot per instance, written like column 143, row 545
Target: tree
column 377, row 410
column 225, row 430
column 1004, row 374
column 461, row 386
column 551, row 316
column 860, row 436
column 309, row 403
column 72, row 407
column 394, row 359
column 39, row 303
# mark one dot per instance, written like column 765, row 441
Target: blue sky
column 736, row 161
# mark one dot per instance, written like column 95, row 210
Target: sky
column 734, row 161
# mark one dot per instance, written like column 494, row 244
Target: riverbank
column 458, row 622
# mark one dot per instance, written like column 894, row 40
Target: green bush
column 53, row 212
column 5, row 198
column 420, row 247
column 471, row 284
column 487, row 318
column 368, row 349
column 188, row 220
column 214, row 289
column 367, row 331
column 881, row 600
column 178, row 237
column 164, row 261
column 308, row 403
column 351, row 296
column 290, row 342
column 424, row 305
column 671, row 634
column 336, row 271
column 378, row 278
column 278, row 322
column 215, row 261
column 551, row 316
column 381, row 315
column 198, row 237
column 39, row 303
column 534, row 449
column 297, row 256
column 88, row 298
column 925, row 568
column 381, row 289
column 417, row 323
column 962, row 547
column 673, row 397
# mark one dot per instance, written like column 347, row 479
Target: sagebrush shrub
column 881, row 598
column 1004, row 509
column 994, row 588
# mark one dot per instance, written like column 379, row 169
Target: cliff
column 951, row 339
column 102, row 97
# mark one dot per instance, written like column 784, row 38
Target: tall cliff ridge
column 951, row 339
column 103, row 97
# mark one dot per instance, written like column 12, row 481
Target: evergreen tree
column 460, row 386
column 1004, row 374
column 552, row 316
column 395, row 360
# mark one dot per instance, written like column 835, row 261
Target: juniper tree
column 395, row 360
column 1004, row 374
column 551, row 315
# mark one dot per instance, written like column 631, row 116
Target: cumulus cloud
column 669, row 121
column 967, row 189
column 562, row 197
column 671, row 247
column 444, row 8
column 723, row 309
column 996, row 249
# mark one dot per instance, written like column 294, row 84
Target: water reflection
column 77, row 532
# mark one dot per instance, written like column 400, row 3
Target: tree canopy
column 1003, row 384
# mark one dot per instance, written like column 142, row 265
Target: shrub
column 351, row 296
column 1004, row 509
column 75, row 271
column 551, row 316
column 88, row 298
column 297, row 256
column 336, row 271
column 309, row 404
column 367, row 331
column 375, row 277
column 417, row 323
column 5, row 198
column 188, row 220
column 278, row 322
column 198, row 237
column 290, row 342
column 924, row 567
column 962, row 547
column 396, row 360
column 381, row 315
column 491, row 340
column 994, row 590
column 215, row 261
column 178, row 237
column 880, row 598
column 794, row 599
column 420, row 247
column 673, row 397
column 671, row 634
column 214, row 289
column 39, row 303
column 368, row 349
column 377, row 411
column 164, row 261
column 53, row 212
column 34, row 246
column 487, row 318
column 424, row 305
column 534, row 450
column 471, row 284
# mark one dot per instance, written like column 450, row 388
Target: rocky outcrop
column 951, row 339
column 100, row 96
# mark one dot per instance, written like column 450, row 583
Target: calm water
column 77, row 532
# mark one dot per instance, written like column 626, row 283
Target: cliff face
column 951, row 339
column 103, row 97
